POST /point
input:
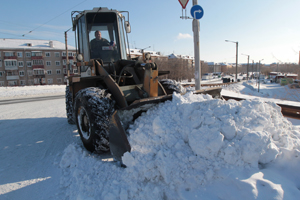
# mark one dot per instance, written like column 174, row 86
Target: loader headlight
column 148, row 56
column 79, row 57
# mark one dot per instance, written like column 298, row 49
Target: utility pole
column 236, row 57
column 259, row 74
column 247, row 64
column 252, row 68
column 197, row 13
column 196, row 30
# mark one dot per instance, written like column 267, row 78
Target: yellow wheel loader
column 110, row 89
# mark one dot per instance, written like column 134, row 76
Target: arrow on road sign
column 197, row 12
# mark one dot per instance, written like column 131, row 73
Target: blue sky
column 265, row 29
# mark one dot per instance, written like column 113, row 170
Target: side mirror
column 127, row 27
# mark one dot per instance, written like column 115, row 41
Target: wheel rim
column 84, row 123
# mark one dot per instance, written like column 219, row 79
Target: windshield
column 103, row 37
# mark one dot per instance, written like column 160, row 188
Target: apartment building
column 34, row 62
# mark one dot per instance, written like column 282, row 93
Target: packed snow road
column 33, row 137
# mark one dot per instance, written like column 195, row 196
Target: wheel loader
column 111, row 89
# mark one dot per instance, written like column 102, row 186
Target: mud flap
column 118, row 142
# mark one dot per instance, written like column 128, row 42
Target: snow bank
column 39, row 90
column 183, row 145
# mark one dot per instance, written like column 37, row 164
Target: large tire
column 93, row 109
column 172, row 86
column 69, row 106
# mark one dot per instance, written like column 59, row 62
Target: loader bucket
column 118, row 142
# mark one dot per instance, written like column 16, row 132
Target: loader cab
column 110, row 23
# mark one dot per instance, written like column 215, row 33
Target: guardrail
column 209, row 85
column 286, row 110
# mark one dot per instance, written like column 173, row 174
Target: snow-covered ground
column 193, row 147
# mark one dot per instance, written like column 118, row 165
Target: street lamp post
column 252, row 68
column 259, row 74
column 236, row 61
column 247, row 64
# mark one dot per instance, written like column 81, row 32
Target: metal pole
column 67, row 64
column 258, row 75
column 248, row 68
column 236, row 62
column 196, row 30
column 252, row 68
column 236, row 56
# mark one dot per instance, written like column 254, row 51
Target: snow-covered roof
column 180, row 56
column 139, row 52
column 33, row 44
column 291, row 74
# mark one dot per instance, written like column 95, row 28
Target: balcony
column 38, row 75
column 12, row 77
column 10, row 57
column 36, row 57
column 38, row 67
column 11, row 67
column 70, row 57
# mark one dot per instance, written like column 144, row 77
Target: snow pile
column 272, row 90
column 184, row 145
column 39, row 90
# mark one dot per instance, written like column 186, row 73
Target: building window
column 21, row 73
column 28, row 54
column 70, row 53
column 22, row 82
column 20, row 54
column 20, row 63
column 64, row 70
column 50, row 81
column 63, row 54
column 37, row 62
column 1, row 83
column 64, row 62
column 47, row 54
column 71, row 62
column 8, row 53
column 36, row 53
column 49, row 72
column 59, row 80
column 57, row 54
column 0, row 63
column 1, row 74
column 39, row 81
column 75, row 71
column 10, row 63
column 12, row 83
column 58, row 71
column 48, row 63
column 38, row 72
column 57, row 63
column 28, row 63
column 29, row 72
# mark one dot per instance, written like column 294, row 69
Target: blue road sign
column 197, row 12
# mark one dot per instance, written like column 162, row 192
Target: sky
column 265, row 30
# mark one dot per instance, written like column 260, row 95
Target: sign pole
column 196, row 30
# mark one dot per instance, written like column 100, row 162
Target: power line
column 53, row 18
